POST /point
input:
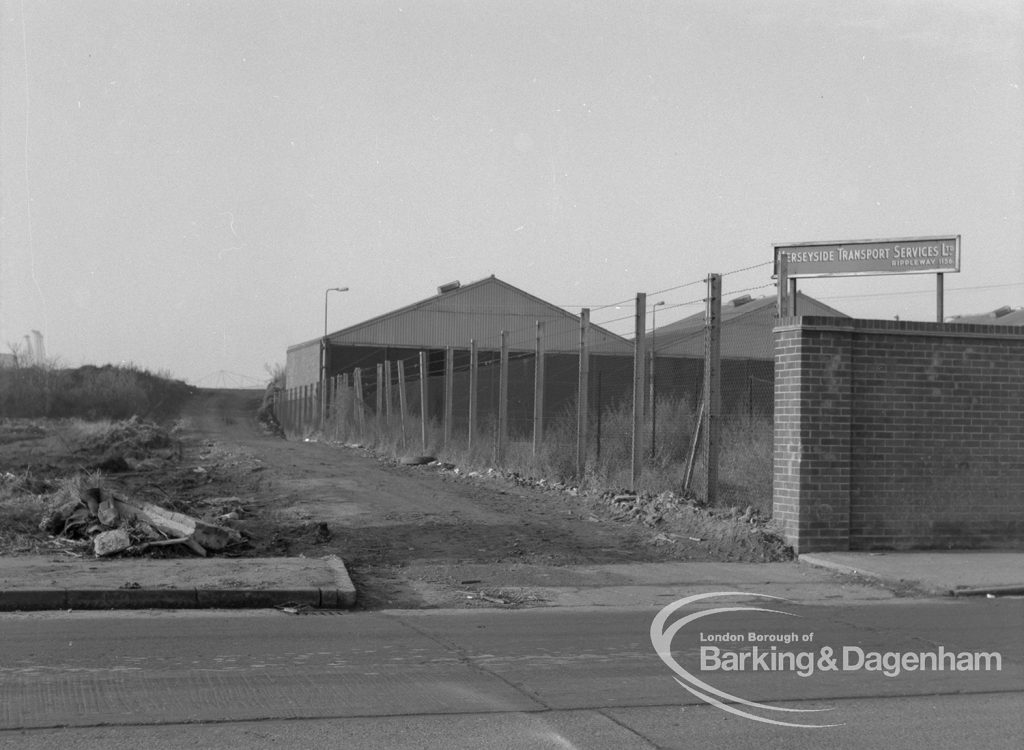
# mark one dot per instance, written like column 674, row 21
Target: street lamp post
column 323, row 358
column 654, row 361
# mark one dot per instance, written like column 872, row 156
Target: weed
column 745, row 458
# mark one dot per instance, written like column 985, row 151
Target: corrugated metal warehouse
column 747, row 326
column 747, row 351
column 477, row 312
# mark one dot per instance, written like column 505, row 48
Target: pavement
column 949, row 573
column 60, row 583
column 53, row 582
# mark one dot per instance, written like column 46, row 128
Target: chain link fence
column 520, row 411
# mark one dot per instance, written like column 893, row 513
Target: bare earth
column 411, row 536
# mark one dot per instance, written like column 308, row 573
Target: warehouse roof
column 1003, row 316
column 478, row 311
column 747, row 325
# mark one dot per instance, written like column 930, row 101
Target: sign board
column 871, row 257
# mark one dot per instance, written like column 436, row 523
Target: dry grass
column 745, row 462
column 24, row 500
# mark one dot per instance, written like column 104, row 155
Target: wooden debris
column 202, row 535
column 117, row 524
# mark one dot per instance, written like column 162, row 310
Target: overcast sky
column 181, row 181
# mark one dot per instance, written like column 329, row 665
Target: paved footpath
column 61, row 583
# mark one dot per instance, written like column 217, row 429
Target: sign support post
column 782, row 286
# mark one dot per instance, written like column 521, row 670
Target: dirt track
column 396, row 525
column 411, row 536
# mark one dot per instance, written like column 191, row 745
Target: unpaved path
column 409, row 535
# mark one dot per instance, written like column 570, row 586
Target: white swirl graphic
column 661, row 638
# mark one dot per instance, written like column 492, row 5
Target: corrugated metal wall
column 302, row 366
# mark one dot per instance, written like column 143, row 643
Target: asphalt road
column 535, row 678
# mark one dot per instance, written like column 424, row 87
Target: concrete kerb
column 986, row 590
column 821, row 562
column 36, row 584
column 955, row 573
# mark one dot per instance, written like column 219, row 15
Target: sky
column 181, row 182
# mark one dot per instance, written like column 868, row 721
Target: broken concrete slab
column 111, row 542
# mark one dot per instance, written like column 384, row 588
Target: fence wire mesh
column 520, row 412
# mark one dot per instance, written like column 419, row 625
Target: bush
column 89, row 392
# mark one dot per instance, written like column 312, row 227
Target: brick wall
column 898, row 435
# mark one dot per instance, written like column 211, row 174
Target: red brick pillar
column 811, row 487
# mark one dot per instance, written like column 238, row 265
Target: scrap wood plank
column 178, row 525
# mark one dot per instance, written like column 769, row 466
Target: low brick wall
column 898, row 435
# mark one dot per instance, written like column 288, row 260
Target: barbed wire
column 921, row 291
column 748, row 268
column 748, row 289
column 674, row 288
column 492, row 342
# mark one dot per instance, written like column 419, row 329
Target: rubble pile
column 652, row 509
column 744, row 532
column 121, row 525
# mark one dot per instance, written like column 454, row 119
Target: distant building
column 476, row 312
column 747, row 325
column 1004, row 316
column 445, row 324
column 747, row 346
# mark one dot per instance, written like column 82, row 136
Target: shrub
column 108, row 392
